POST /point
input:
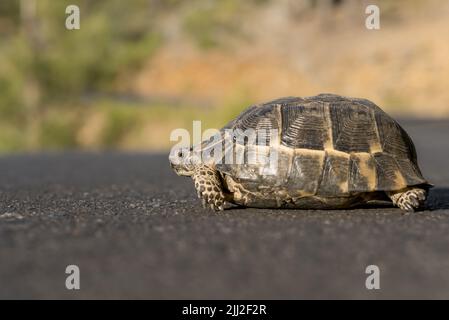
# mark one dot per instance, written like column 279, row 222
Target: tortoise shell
column 328, row 146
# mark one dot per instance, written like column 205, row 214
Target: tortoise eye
column 180, row 154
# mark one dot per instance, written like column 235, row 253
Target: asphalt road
column 136, row 230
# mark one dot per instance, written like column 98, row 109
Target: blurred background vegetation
column 138, row 69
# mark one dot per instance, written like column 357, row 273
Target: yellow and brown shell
column 328, row 146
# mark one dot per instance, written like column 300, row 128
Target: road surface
column 136, row 230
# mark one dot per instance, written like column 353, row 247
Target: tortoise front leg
column 408, row 199
column 209, row 187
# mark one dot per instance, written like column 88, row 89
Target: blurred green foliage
column 206, row 23
column 43, row 64
column 51, row 77
column 119, row 121
column 212, row 21
column 47, row 71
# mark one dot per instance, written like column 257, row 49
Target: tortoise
column 332, row 152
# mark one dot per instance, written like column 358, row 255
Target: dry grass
column 404, row 67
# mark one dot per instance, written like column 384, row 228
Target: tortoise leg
column 408, row 199
column 208, row 186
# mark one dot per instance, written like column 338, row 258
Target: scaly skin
column 409, row 199
column 208, row 186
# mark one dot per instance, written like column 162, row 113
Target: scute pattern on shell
column 263, row 119
column 304, row 127
column 353, row 127
column 329, row 146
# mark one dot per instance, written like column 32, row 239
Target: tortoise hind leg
column 408, row 199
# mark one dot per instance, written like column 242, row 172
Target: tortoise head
column 183, row 160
